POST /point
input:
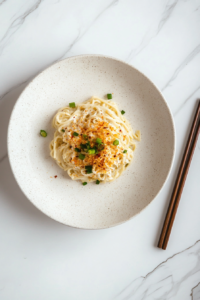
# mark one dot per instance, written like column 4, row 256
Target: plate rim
column 154, row 85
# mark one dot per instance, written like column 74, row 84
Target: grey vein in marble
column 3, row 157
column 149, row 35
column 188, row 59
column 196, row 292
column 15, row 25
column 186, row 100
column 2, row 2
column 79, row 36
column 180, row 271
column 14, row 87
column 197, row 8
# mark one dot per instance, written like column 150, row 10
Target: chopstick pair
column 180, row 181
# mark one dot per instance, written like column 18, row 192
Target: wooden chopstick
column 181, row 177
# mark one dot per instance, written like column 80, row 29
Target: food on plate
column 93, row 141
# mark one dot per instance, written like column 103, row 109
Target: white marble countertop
column 42, row 259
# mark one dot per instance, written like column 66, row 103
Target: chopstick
column 181, row 178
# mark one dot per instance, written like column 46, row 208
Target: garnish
column 116, row 142
column 43, row 133
column 82, row 146
column 109, row 96
column 101, row 147
column 98, row 141
column 85, row 146
column 81, row 156
column 88, row 169
column 75, row 134
column 72, row 105
column 91, row 151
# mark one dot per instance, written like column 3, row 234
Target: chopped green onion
column 109, row 96
column 101, row 147
column 116, row 142
column 88, row 169
column 43, row 133
column 63, row 130
column 81, row 156
column 126, row 165
column 72, row 105
column 83, row 146
column 96, row 150
column 85, row 136
column 77, row 150
column 91, row 151
column 84, row 183
column 98, row 141
column 88, row 145
column 75, row 134
column 125, row 151
column 97, row 181
column 122, row 112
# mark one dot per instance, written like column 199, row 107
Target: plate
column 75, row 80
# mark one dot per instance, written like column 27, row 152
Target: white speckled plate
column 75, row 80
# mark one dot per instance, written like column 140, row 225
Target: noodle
column 93, row 141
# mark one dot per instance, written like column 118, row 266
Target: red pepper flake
column 55, row 176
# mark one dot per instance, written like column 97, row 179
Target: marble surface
column 41, row 259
